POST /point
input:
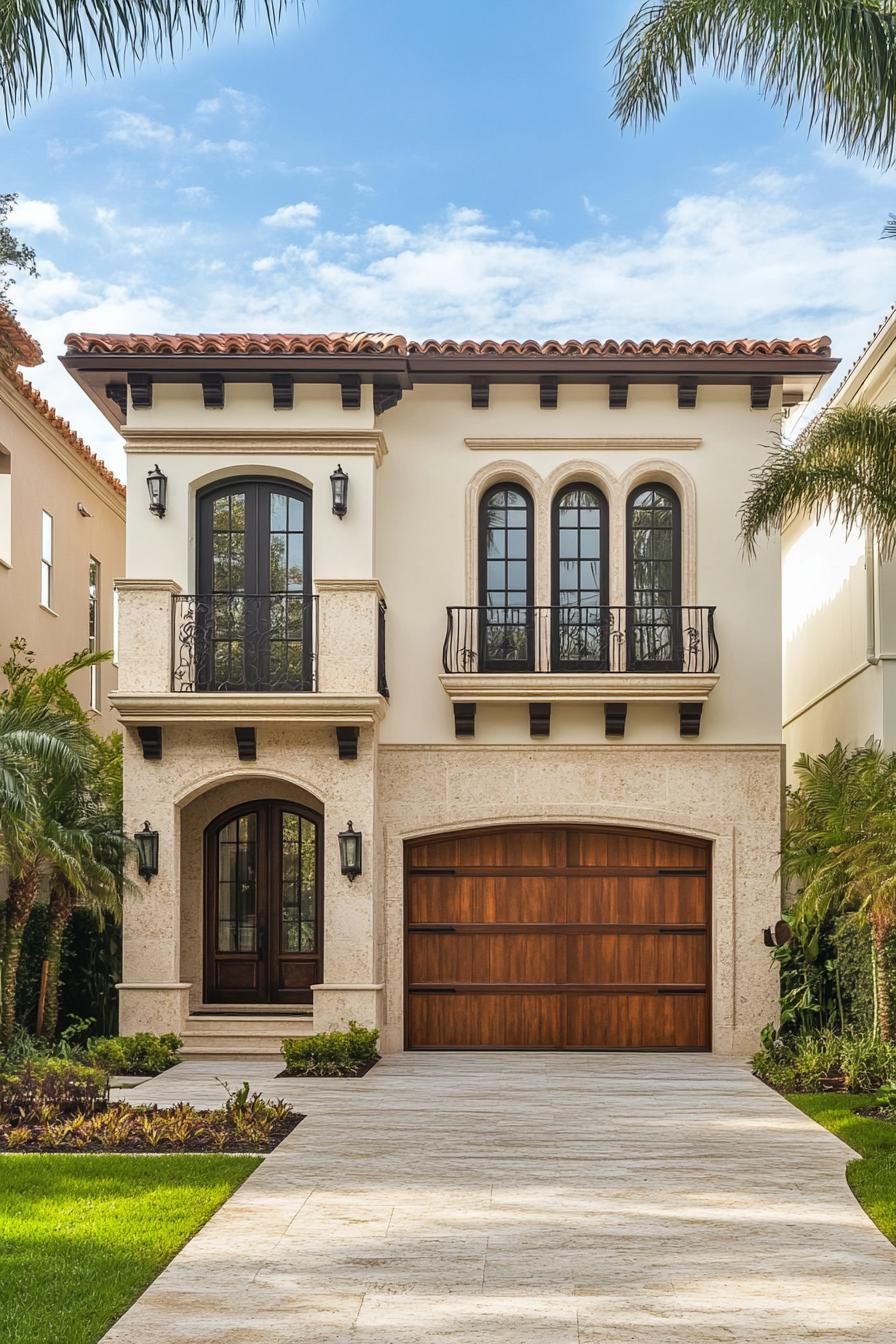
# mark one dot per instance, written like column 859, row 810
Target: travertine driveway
column 638, row 1199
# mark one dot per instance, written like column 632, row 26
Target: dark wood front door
column 552, row 937
column 263, row 905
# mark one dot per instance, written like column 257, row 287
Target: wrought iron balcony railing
column 244, row 642
column 580, row 639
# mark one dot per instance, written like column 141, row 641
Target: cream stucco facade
column 417, row 473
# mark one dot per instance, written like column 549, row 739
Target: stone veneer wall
column 729, row 795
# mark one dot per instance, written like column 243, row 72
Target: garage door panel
column 636, row 1022
column 673, row 854
column 603, row 849
column 665, row 899
column 529, row 1021
column 636, row 959
column 446, row 899
column 536, row 847
column 483, row 958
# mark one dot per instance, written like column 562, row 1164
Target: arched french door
column 263, row 904
column 254, row 606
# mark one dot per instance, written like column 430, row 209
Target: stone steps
column 223, row 1035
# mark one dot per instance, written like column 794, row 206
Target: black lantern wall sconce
column 147, row 842
column 157, row 485
column 350, row 852
column 339, row 485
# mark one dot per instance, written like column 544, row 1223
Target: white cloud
column 264, row 263
column 538, row 215
column 388, row 236
column 32, row 216
column 234, row 102
column 134, row 128
column 302, row 215
column 363, row 189
column 593, row 209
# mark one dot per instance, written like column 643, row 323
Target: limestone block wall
column 729, row 795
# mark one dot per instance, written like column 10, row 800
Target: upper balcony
column 609, row 654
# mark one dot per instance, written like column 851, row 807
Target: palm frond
column 830, row 63
column 889, row 230
column 843, row 466
column 42, row 39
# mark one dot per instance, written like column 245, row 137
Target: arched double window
column 579, row 579
column 506, row 552
column 654, row 579
column 253, row 605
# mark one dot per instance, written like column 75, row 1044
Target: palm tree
column 841, row 465
column 40, row 39
column 831, row 63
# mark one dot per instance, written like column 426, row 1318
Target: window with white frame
column 93, row 628
column 46, row 559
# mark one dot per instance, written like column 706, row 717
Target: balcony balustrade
column 245, row 642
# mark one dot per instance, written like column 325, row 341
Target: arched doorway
column 557, row 937
column 263, row 904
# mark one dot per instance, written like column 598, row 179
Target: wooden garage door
column 557, row 938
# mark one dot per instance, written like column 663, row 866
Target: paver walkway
column 509, row 1198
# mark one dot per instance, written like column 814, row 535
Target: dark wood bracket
column 212, row 391
column 282, row 386
column 118, row 392
column 385, row 396
column 151, row 742
column 347, row 742
column 687, row 394
column 141, row 390
column 689, row 714
column 617, row 394
column 614, row 720
column 539, row 718
column 464, row 718
column 245, row 743
column 479, row 394
column 760, row 394
column 351, row 391
column 549, row 393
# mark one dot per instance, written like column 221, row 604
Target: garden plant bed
column 122, row 1128
column 357, row 1072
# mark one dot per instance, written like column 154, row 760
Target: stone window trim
column 616, row 489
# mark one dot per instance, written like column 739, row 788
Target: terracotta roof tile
column 64, row 429
column 16, row 345
column 385, row 343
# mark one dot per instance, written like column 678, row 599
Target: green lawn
column 82, row 1236
column 873, row 1180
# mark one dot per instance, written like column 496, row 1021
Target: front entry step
column 222, row 1035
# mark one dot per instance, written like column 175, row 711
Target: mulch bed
column 887, row 1113
column 359, row 1072
column 198, row 1144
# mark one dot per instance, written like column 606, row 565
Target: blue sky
column 440, row 170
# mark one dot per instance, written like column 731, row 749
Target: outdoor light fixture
column 147, row 842
column 339, row 483
column 157, row 485
column 778, row 934
column 350, row 852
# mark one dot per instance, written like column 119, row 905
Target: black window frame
column 257, row 620
column 635, row 660
column 603, row 619
column 526, row 663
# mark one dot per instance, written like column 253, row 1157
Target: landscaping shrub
column 143, row 1054
column 332, row 1054
column 40, row 1086
column 822, row 1061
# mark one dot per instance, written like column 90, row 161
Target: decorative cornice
column 147, row 586
column 564, row 444
column 513, row 687
column 350, row 586
column 247, row 708
column 335, row 443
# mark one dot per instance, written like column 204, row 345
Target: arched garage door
column 555, row 937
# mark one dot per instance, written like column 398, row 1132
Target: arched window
column 579, row 578
column 505, row 579
column 253, row 605
column 263, row 904
column 654, row 578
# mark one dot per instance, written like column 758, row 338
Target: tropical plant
column 840, row 466
column 332, row 1054
column 142, row 1055
column 14, row 254
column 816, row 1060
column 40, row 39
column 829, row 63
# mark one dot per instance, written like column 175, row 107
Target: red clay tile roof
column 385, row 343
column 16, row 345
column 64, row 429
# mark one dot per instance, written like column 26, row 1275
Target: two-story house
column 449, row 698
column 61, row 532
column 839, row 604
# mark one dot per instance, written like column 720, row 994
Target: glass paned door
column 580, row 625
column 254, row 609
column 654, row 579
column 506, row 627
column 263, row 905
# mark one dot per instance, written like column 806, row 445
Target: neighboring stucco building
column 61, row 532
column 839, row 605
column 561, row 743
